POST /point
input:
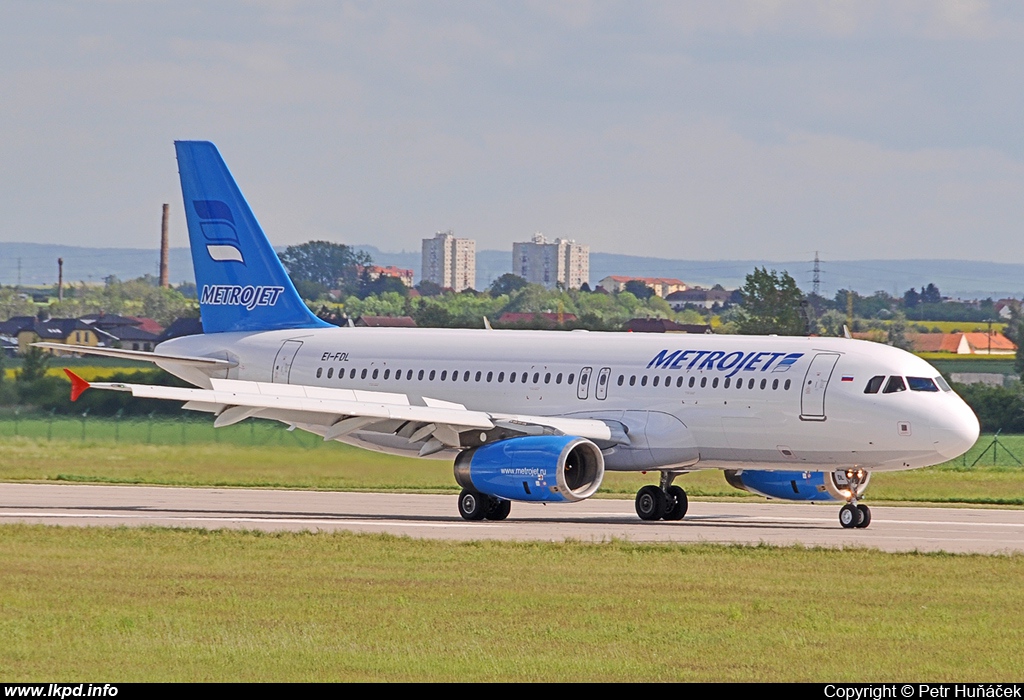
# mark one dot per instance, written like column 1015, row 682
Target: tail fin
column 241, row 283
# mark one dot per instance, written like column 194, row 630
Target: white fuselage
column 688, row 401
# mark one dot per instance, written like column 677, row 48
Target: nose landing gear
column 664, row 502
column 853, row 514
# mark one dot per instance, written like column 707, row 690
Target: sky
column 718, row 129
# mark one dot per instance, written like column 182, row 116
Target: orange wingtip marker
column 78, row 385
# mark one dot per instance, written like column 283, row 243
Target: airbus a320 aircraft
column 540, row 415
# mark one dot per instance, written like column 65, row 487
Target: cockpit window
column 895, row 384
column 942, row 384
column 874, row 384
column 921, row 384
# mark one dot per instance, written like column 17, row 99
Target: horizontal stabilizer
column 209, row 362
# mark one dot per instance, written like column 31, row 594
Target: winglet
column 78, row 385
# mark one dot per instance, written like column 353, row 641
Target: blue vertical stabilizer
column 241, row 283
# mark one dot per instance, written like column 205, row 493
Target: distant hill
column 964, row 279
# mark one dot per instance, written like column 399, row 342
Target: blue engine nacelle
column 799, row 486
column 551, row 468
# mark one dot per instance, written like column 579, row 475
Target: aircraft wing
column 208, row 362
column 334, row 413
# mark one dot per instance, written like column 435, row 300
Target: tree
column 506, row 284
column 426, row 288
column 911, row 298
column 931, row 294
column 325, row 263
column 34, row 366
column 638, row 289
column 897, row 332
column 771, row 304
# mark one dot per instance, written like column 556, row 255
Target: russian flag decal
column 847, row 378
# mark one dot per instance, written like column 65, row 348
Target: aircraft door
column 283, row 361
column 812, row 395
column 603, row 377
column 583, row 388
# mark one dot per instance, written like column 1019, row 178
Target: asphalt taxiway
column 976, row 530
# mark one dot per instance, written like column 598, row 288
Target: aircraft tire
column 473, row 505
column 651, row 503
column 498, row 508
column 679, row 502
column 865, row 513
column 850, row 516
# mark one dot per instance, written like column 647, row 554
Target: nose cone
column 955, row 429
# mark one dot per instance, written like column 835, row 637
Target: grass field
column 264, row 454
column 184, row 605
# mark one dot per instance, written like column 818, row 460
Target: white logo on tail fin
column 225, row 253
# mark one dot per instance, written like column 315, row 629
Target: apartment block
column 449, row 261
column 559, row 262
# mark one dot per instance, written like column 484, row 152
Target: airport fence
column 153, row 430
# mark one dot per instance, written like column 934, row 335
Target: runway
column 896, row 529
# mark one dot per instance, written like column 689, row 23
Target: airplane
column 541, row 415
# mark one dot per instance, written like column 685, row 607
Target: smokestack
column 60, row 279
column 164, row 249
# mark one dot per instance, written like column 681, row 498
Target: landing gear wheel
column 865, row 514
column 651, row 503
column 677, row 503
column 473, row 505
column 850, row 516
column 498, row 508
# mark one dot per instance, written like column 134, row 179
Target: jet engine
column 801, row 486
column 551, row 468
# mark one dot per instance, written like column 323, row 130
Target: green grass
column 264, row 454
column 186, row 605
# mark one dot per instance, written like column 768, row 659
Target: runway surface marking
column 436, row 516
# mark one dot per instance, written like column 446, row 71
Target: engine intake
column 549, row 468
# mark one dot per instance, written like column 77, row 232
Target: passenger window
column 727, row 381
column 874, row 384
column 375, row 373
column 679, row 382
column 656, row 380
column 775, row 384
column 894, row 385
column 501, row 377
column 692, row 380
column 632, row 380
column 921, row 384
column 536, row 377
column 622, row 378
column 525, row 378
column 764, row 383
column 714, row 383
column 643, row 380
column 408, row 375
column 330, row 372
column 750, row 384
column 512, row 378
column 571, row 377
column 547, row 378
column 387, row 374
column 319, row 371
column 455, row 375
column 490, row 376
column 465, row 377
column 558, row 379
column 362, row 375
column 444, row 375
column 433, row 373
column 478, row 375
column 789, row 382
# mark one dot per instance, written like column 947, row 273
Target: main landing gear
column 664, row 502
column 474, row 505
